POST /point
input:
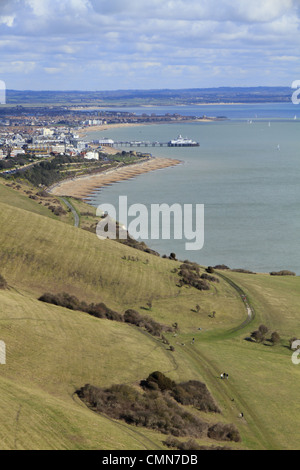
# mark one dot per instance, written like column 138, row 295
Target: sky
column 139, row 44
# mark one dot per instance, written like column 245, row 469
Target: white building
column 59, row 148
column 106, row 142
column 92, row 156
column 47, row 132
column 17, row 151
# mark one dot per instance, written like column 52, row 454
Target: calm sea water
column 246, row 175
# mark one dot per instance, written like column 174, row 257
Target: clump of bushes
column 155, row 408
column 158, row 381
column 3, row 283
column 222, row 267
column 102, row 311
column 144, row 321
column 224, row 432
column 190, row 275
column 207, row 277
column 260, row 335
column 283, row 273
column 42, row 193
column 192, row 393
column 57, row 210
column 152, row 410
column 72, row 303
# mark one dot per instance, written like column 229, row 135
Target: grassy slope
column 263, row 380
column 39, row 254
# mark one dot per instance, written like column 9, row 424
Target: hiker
column 193, row 340
column 222, row 376
column 241, row 415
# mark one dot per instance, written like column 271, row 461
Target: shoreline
column 105, row 127
column 83, row 186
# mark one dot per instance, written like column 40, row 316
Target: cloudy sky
column 139, row 44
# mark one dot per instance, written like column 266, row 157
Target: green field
column 52, row 351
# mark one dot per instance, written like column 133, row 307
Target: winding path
column 76, row 216
column 249, row 308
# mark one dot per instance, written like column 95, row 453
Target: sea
column 246, row 173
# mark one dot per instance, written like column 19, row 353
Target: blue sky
column 138, row 44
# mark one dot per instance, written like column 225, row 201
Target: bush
column 190, row 275
column 224, row 432
column 196, row 394
column 275, row 338
column 258, row 336
column 263, row 329
column 210, row 270
column 72, row 303
column 283, row 273
column 156, row 409
column 102, row 311
column 149, row 409
column 221, row 267
column 3, row 283
column 192, row 393
column 157, row 380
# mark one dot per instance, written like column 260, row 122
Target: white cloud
column 182, row 38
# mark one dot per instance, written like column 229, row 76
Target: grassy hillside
column 52, row 351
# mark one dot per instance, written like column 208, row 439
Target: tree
column 263, row 329
column 257, row 336
column 275, row 338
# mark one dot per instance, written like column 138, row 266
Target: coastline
column 82, row 186
column 105, row 127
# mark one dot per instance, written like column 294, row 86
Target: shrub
column 210, row 270
column 3, row 283
column 157, row 380
column 258, row 336
column 263, row 329
column 283, row 273
column 207, row 277
column 224, row 432
column 149, row 409
column 196, row 394
column 221, row 267
column 275, row 338
column 102, row 311
column 190, row 275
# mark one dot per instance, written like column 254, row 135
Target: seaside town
column 41, row 133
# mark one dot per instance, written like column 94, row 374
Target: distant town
column 41, row 133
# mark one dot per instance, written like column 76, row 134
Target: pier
column 135, row 143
